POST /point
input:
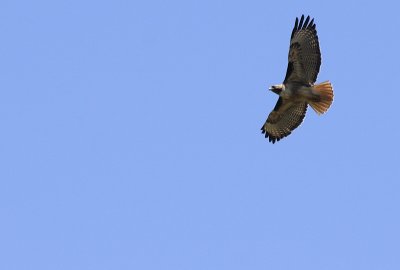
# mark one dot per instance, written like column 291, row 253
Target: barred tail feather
column 324, row 93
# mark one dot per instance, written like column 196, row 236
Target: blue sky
column 130, row 137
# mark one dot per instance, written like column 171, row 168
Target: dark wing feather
column 285, row 117
column 304, row 53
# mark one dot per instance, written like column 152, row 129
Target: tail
column 324, row 99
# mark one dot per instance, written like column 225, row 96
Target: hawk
column 298, row 89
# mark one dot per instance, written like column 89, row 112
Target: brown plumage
column 298, row 89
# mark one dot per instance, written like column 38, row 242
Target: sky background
column 130, row 137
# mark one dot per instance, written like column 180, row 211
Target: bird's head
column 277, row 89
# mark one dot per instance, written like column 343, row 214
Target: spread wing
column 304, row 53
column 285, row 117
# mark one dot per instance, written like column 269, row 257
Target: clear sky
column 130, row 137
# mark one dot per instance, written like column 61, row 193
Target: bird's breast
column 296, row 92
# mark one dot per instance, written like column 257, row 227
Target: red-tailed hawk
column 298, row 89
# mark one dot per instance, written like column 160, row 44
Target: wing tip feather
column 303, row 24
column 306, row 22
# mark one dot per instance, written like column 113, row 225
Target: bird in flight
column 298, row 89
